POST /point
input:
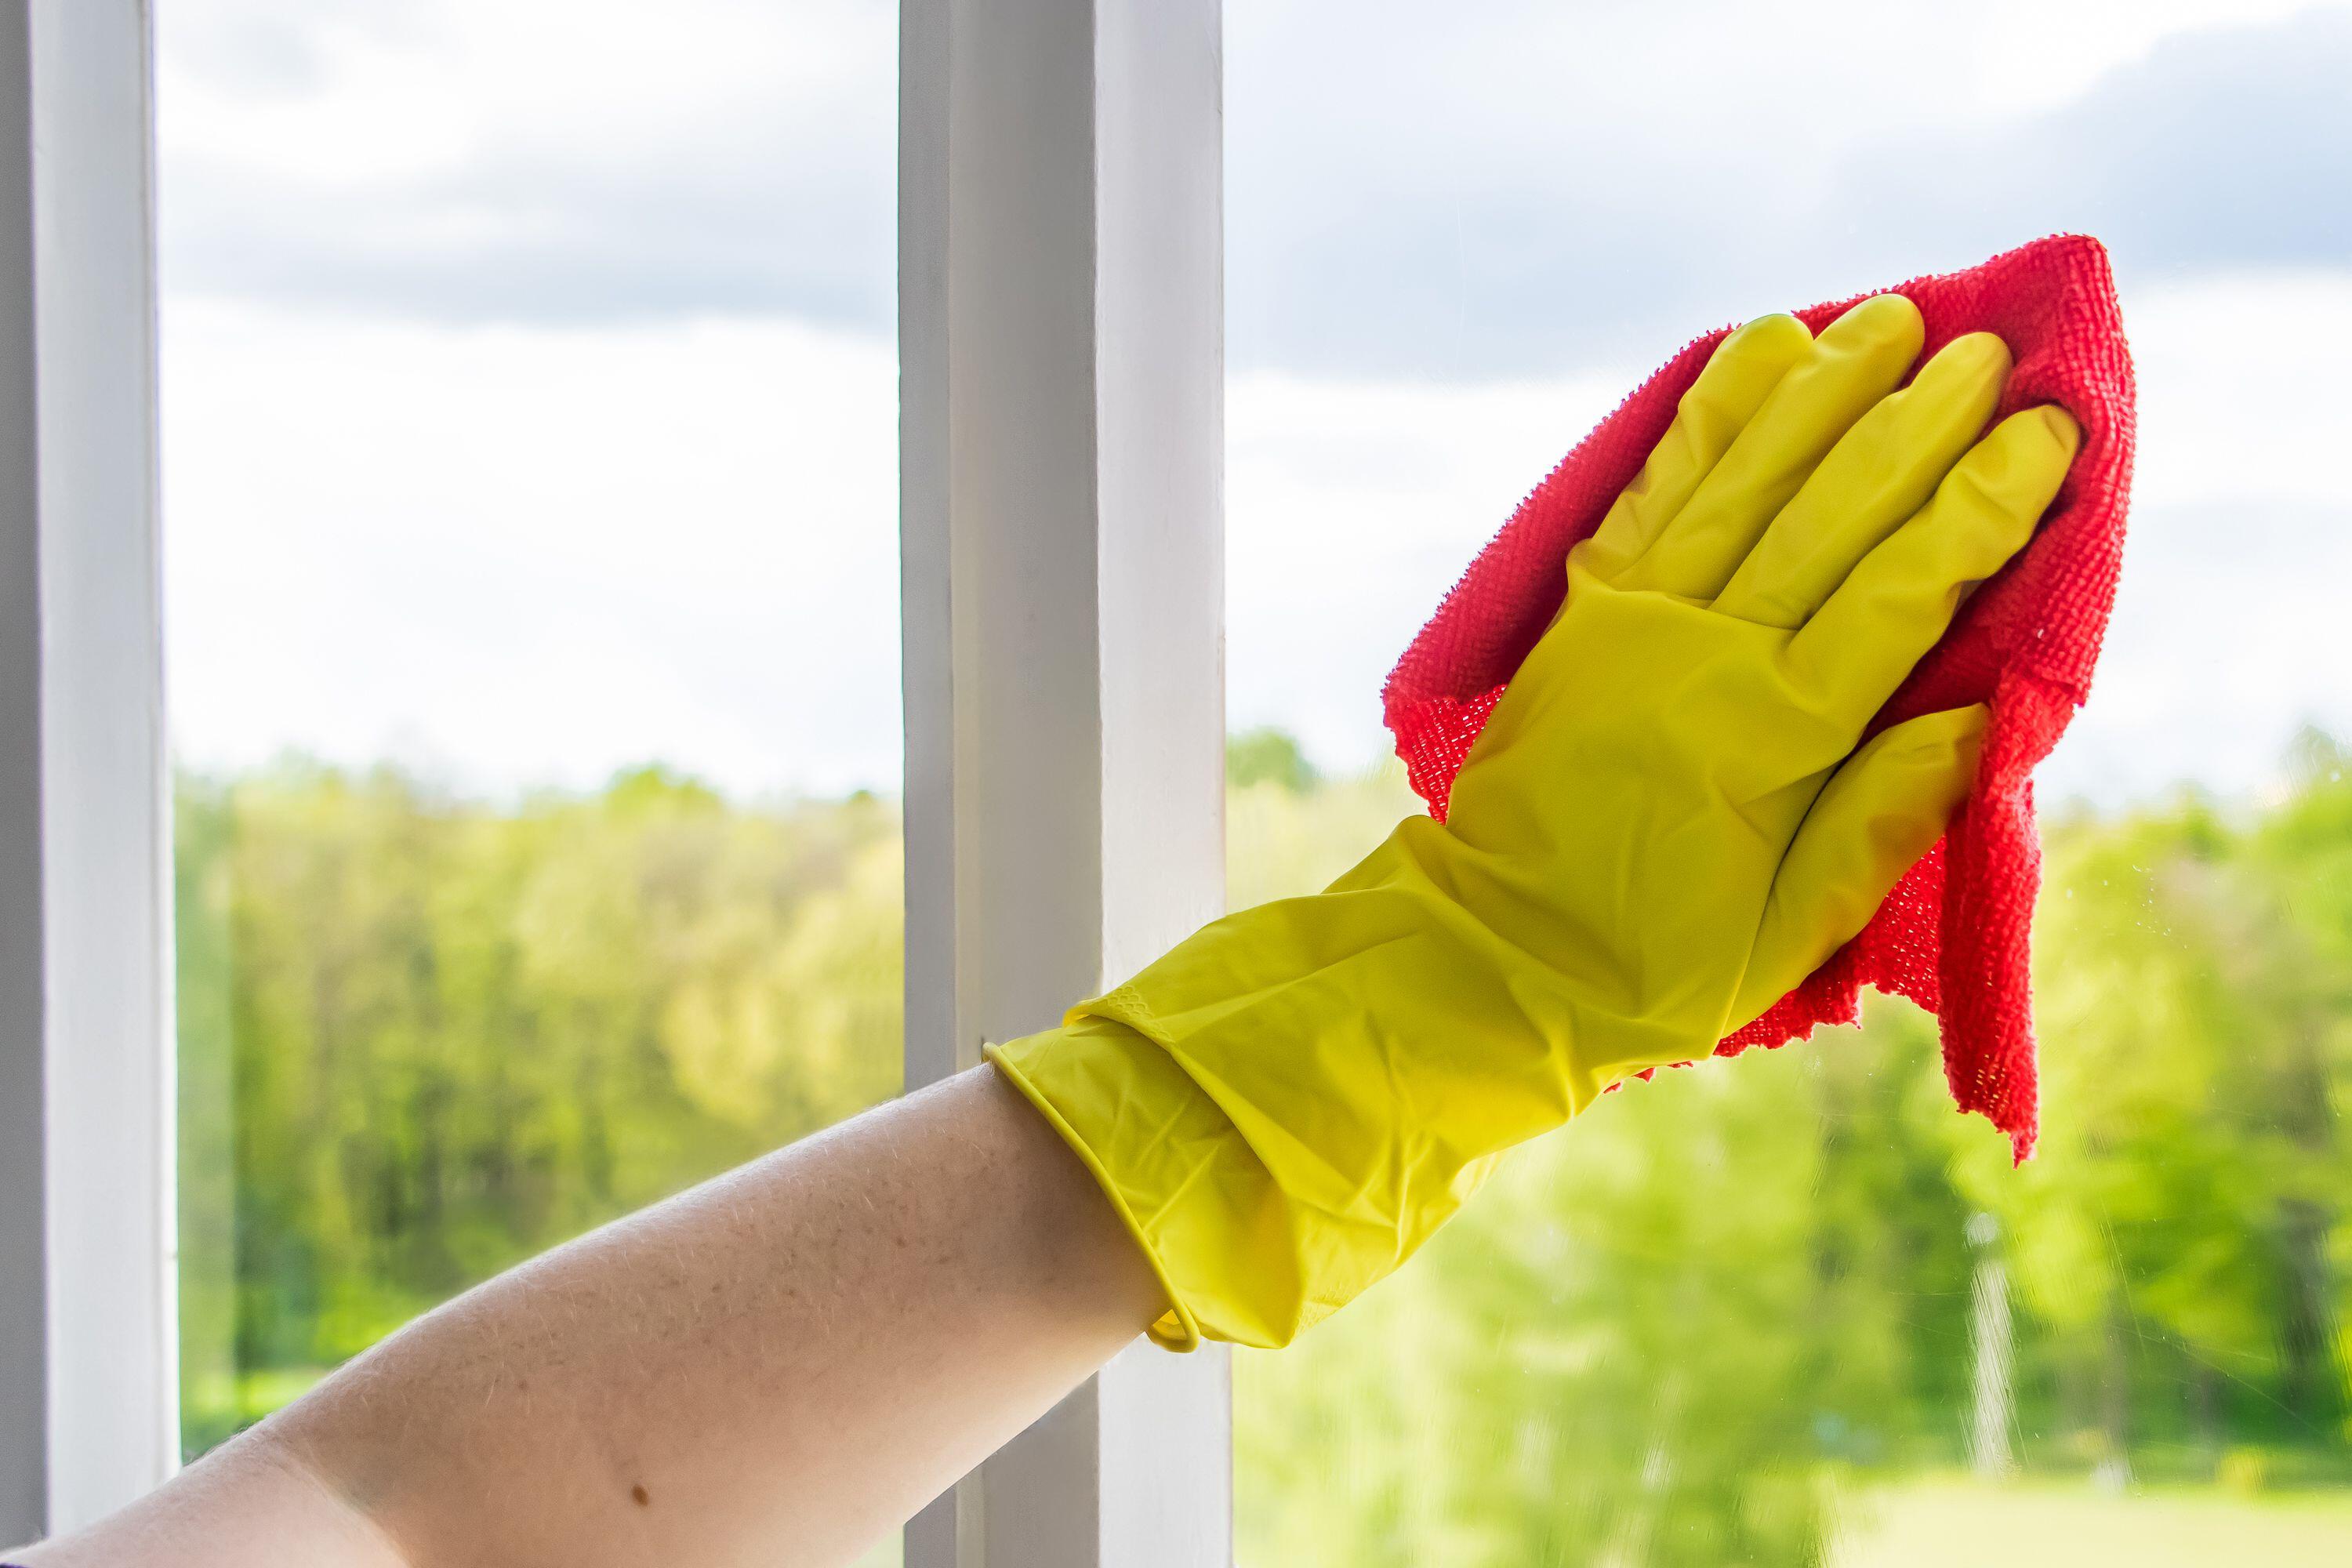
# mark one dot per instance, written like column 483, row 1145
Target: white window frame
column 1061, row 331
column 89, row 1397
column 1061, row 344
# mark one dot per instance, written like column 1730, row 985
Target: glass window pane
column 1790, row 1308
column 529, row 496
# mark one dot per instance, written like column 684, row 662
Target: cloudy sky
column 528, row 382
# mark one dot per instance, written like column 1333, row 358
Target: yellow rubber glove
column 1664, row 828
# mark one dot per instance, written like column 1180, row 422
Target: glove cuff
column 1184, row 1180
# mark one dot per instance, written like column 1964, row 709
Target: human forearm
column 802, row 1351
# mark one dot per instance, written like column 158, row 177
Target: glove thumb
column 1883, row 808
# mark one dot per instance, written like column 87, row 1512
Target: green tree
column 1268, row 756
column 423, row 1039
column 1699, row 1325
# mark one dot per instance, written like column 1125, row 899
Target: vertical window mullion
column 1062, row 427
column 86, row 1331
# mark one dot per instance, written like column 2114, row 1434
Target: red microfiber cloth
column 1953, row 935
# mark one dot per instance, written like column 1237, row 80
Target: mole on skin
column 640, row 1495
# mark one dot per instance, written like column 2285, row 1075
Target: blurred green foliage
column 422, row 1038
column 1268, row 756
column 1702, row 1324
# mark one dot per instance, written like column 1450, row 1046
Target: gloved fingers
column 1881, row 810
column 1858, row 359
column 1873, row 481
column 1897, row 600
column 1743, row 370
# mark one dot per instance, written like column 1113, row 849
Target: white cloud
column 1351, row 508
column 532, row 556
column 629, row 524
column 2245, row 386
column 1527, row 184
column 345, row 93
column 1502, row 192
column 2230, row 628
column 531, row 160
column 535, row 554
column 1538, row 73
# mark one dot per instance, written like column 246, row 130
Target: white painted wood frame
column 88, row 1386
column 1061, row 322
column 1061, row 340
